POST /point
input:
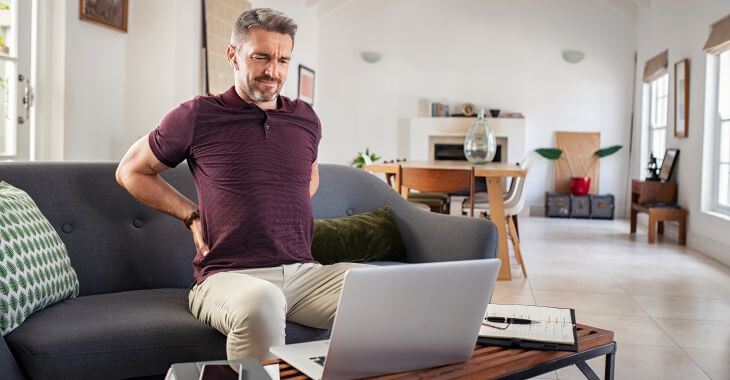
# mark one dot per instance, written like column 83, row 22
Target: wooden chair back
column 437, row 180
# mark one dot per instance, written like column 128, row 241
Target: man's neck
column 268, row 105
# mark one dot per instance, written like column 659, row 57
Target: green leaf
column 608, row 151
column 549, row 153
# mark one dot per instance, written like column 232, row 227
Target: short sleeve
column 172, row 139
column 317, row 130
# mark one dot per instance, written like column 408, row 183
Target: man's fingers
column 200, row 243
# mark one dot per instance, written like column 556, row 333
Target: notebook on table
column 553, row 328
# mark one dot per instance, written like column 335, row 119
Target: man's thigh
column 225, row 298
column 313, row 293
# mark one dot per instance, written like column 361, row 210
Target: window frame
column 653, row 115
column 716, row 206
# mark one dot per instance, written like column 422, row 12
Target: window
column 723, row 132
column 659, row 100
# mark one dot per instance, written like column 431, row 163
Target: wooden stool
column 657, row 217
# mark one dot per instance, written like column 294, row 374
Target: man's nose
column 272, row 69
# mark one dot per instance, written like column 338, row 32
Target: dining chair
column 441, row 180
column 514, row 203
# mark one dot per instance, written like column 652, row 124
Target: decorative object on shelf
column 681, row 98
column 365, row 158
column 652, row 168
column 305, row 89
column 579, row 185
column 112, row 13
column 494, row 112
column 668, row 164
column 573, row 56
column 468, row 110
column 439, row 110
column 371, row 56
column 480, row 144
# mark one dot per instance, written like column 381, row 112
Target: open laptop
column 400, row 318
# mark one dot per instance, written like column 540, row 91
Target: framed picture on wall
column 306, row 85
column 681, row 98
column 112, row 13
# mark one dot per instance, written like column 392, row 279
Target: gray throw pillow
column 35, row 270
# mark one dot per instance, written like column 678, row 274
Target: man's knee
column 260, row 303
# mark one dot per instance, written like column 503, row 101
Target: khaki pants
column 251, row 306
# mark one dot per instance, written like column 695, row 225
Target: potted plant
column 579, row 185
column 366, row 158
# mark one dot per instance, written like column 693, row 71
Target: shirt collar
column 232, row 100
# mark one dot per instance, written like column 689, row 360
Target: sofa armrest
column 432, row 237
column 8, row 366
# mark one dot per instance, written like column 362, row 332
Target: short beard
column 258, row 96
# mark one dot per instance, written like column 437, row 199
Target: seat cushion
column 120, row 335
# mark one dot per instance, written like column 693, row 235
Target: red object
column 580, row 185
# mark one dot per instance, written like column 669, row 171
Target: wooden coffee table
column 492, row 362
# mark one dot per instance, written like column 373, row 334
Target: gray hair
column 266, row 18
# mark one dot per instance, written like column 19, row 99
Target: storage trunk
column 580, row 206
column 557, row 205
column 602, row 206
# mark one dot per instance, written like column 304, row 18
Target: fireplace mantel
column 422, row 129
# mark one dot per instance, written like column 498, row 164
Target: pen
column 516, row 321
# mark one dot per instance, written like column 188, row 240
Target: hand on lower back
column 198, row 237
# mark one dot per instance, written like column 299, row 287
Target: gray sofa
column 131, row 318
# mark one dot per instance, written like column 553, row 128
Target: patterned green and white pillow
column 35, row 270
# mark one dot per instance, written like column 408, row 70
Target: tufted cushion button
column 67, row 228
column 137, row 223
column 350, row 212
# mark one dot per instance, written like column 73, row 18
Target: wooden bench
column 657, row 217
column 657, row 199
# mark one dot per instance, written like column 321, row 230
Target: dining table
column 495, row 174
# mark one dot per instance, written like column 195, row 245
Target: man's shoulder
column 300, row 107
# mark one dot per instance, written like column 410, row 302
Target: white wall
column 499, row 53
column 96, row 83
column 163, row 64
column 683, row 27
column 119, row 86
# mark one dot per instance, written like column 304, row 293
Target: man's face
column 263, row 62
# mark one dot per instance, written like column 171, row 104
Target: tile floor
column 669, row 306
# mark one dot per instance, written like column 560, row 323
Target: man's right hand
column 198, row 237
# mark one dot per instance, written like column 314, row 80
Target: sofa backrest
column 117, row 244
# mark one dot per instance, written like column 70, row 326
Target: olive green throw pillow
column 35, row 270
column 369, row 236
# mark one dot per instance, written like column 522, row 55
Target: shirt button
column 266, row 126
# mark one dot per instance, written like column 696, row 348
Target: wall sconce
column 573, row 56
column 371, row 56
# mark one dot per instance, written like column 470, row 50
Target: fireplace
column 451, row 148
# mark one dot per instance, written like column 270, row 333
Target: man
column 253, row 157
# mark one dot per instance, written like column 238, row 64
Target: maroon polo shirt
column 252, row 170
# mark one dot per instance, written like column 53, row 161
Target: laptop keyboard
column 318, row 359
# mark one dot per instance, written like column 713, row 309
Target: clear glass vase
column 480, row 144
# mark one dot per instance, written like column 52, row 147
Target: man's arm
column 314, row 183
column 138, row 172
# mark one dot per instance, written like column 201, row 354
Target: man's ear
column 231, row 54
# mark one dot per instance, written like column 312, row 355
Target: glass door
column 16, row 95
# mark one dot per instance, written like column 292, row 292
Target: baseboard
column 537, row 210
column 703, row 244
